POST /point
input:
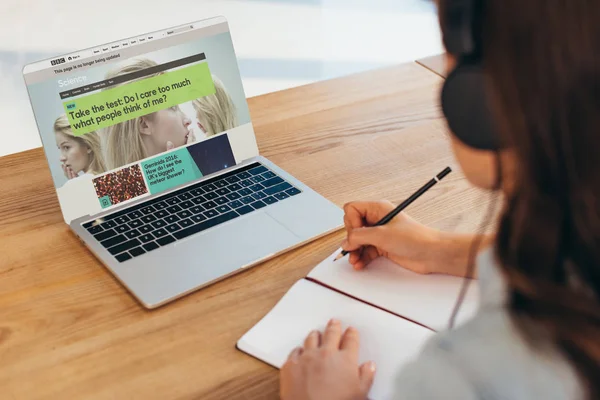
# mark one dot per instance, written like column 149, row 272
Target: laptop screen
column 140, row 116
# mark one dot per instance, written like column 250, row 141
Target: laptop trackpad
column 207, row 256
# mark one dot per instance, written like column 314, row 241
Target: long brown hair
column 542, row 64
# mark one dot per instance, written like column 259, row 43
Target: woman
column 78, row 154
column 537, row 333
column 216, row 113
column 142, row 137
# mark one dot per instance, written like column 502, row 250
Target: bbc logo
column 58, row 61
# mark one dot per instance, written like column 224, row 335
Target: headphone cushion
column 466, row 108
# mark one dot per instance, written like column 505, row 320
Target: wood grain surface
column 436, row 64
column 69, row 330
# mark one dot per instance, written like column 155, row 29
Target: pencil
column 406, row 203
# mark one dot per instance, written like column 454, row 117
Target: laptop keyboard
column 161, row 221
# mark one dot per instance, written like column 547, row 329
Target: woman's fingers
column 332, row 334
column 313, row 340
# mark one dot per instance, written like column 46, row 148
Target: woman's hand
column 69, row 173
column 327, row 368
column 402, row 240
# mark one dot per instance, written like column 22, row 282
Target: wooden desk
column 69, row 330
column 436, row 64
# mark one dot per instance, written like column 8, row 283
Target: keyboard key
column 174, row 209
column 245, row 192
column 293, row 191
column 159, row 224
column 270, row 200
column 146, row 228
column 172, row 228
column 281, row 195
column 113, row 241
column 259, row 195
column 173, row 200
column 161, row 214
column 236, row 204
column 121, row 219
column 246, row 183
column 146, row 238
column 135, row 214
column 221, row 184
column 184, row 214
column 185, row 196
column 196, row 192
column 136, row 223
column 172, row 218
column 198, row 218
column 273, row 181
column 222, row 200
column 132, row 234
column 105, row 235
column 211, row 196
column 184, row 223
column 209, row 188
column 186, row 204
column 196, row 209
column 223, row 191
column 148, row 210
column 256, row 188
column 235, row 186
column 137, row 251
column 148, row 218
column 123, row 257
column 95, row 229
column 247, row 200
column 122, row 228
column 232, row 179
column 244, row 175
column 258, row 170
column 108, row 224
column 258, row 204
column 124, row 246
column 258, row 179
column 150, row 246
column 163, row 241
column 278, row 188
column 205, row 225
column 223, row 209
column 210, row 213
column 198, row 200
column 209, row 204
column 268, row 175
column 245, row 210
column 234, row 196
column 161, row 205
column 160, row 232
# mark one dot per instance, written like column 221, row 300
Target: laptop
column 155, row 162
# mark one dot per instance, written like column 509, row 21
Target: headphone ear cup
column 467, row 109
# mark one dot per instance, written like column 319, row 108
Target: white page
column 388, row 340
column 426, row 299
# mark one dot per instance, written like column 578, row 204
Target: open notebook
column 396, row 311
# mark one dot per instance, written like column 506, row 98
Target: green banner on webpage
column 122, row 103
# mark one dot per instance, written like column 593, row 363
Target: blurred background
column 280, row 44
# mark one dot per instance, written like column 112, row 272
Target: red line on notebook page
column 366, row 302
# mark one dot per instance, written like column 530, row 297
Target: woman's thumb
column 367, row 374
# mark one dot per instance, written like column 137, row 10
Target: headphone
column 465, row 103
column 463, row 98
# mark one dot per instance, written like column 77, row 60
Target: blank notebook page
column 388, row 340
column 426, row 299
